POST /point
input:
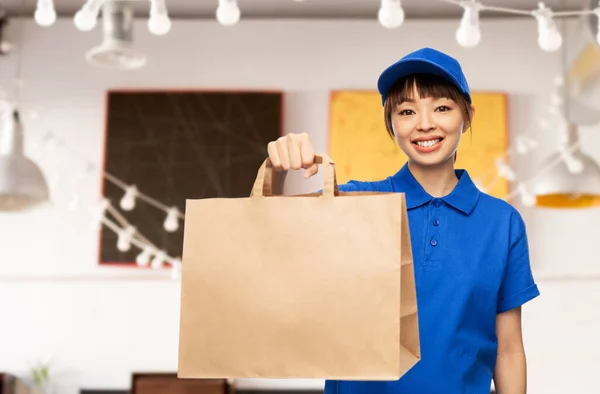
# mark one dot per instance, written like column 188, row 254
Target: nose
column 426, row 122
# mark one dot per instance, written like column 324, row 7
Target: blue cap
column 424, row 61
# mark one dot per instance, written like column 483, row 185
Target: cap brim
column 404, row 68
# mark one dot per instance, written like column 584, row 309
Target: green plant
column 40, row 374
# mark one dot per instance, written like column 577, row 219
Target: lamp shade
column 560, row 187
column 117, row 50
column 22, row 184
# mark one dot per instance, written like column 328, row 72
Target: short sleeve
column 367, row 186
column 348, row 187
column 357, row 186
column 331, row 387
column 518, row 285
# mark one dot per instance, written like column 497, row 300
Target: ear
column 467, row 125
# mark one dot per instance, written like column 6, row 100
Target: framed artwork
column 363, row 150
column 178, row 145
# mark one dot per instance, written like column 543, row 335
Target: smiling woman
column 371, row 154
column 427, row 116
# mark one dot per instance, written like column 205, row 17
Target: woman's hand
column 293, row 151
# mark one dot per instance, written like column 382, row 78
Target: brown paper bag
column 314, row 286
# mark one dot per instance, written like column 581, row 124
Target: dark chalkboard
column 179, row 145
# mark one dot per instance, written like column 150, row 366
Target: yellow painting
column 363, row 150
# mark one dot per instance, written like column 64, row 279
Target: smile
column 428, row 143
column 426, row 146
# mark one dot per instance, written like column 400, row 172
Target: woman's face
column 428, row 130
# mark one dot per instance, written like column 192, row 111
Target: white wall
column 100, row 324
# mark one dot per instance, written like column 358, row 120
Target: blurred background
column 113, row 113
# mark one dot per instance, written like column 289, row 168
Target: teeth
column 428, row 143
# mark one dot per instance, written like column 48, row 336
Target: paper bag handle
column 263, row 185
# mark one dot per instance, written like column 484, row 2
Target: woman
column 470, row 249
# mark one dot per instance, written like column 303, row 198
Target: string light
column 549, row 38
column 519, row 191
column 574, row 164
column 143, row 259
column 158, row 260
column 524, row 144
column 131, row 193
column 87, row 17
column 100, row 213
column 171, row 223
column 45, row 14
column 228, row 13
column 176, row 269
column 505, row 171
column 124, row 238
column 127, row 234
column 527, row 198
column 127, row 203
column 390, row 15
column 159, row 22
column 468, row 33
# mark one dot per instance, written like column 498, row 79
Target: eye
column 405, row 112
column 443, row 108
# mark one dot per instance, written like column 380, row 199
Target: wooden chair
column 168, row 383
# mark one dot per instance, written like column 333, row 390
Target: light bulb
column 468, row 33
column 87, row 17
column 505, row 171
column 85, row 20
column 143, row 259
column 527, row 199
column 525, row 144
column 159, row 24
column 124, row 239
column 549, row 38
column 45, row 15
column 158, row 260
column 468, row 37
column 171, row 223
column 574, row 164
column 391, row 14
column 99, row 214
column 127, row 203
column 176, row 269
column 522, row 146
column 228, row 12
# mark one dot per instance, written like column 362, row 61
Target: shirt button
column 436, row 203
column 436, row 222
column 434, row 242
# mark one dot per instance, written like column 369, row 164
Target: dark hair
column 427, row 85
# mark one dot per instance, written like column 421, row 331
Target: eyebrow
column 408, row 100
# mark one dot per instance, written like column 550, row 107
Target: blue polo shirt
column 471, row 262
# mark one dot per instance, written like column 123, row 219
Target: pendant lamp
column 117, row 50
column 573, row 178
column 22, row 184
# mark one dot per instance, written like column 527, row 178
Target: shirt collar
column 463, row 197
